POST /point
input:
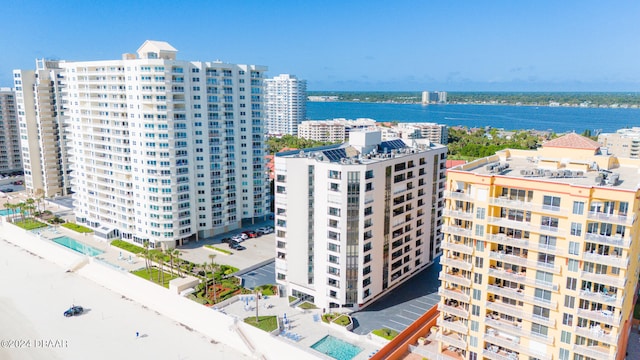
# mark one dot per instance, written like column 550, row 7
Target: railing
column 458, row 195
column 600, row 297
column 598, row 334
column 496, row 356
column 615, row 240
column 457, row 263
column 457, row 230
column 452, row 294
column 527, row 226
column 467, row 215
column 504, row 326
column 455, row 279
column 505, row 240
column 522, row 278
column 617, row 261
column 461, row 248
column 604, row 279
column 456, row 326
column 621, row 219
column 593, row 352
column 525, row 205
column 600, row 317
column 512, row 259
column 451, row 340
column 517, row 312
column 453, row 311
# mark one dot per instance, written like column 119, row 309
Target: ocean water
column 558, row 119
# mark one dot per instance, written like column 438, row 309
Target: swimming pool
column 336, row 348
column 5, row 212
column 77, row 246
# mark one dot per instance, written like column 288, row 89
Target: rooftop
column 572, row 141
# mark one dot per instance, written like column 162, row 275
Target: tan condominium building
column 10, row 160
column 336, row 130
column 622, row 143
column 43, row 137
column 437, row 133
column 540, row 255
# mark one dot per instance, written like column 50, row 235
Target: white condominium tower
column 42, row 129
column 165, row 150
column 286, row 104
column 9, row 137
column 355, row 220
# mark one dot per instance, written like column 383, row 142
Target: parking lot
column 257, row 249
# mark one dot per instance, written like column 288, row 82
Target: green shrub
column 307, row 306
column 127, row 246
column 343, row 320
column 266, row 323
column 386, row 333
column 218, row 249
column 77, row 228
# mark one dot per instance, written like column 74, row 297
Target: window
column 564, row 354
column 567, row 319
column 565, row 337
column 571, row 283
column 480, row 245
column 477, row 278
column 475, row 325
column 542, row 294
column 578, row 207
column 475, row 310
column 479, row 262
column 540, row 311
column 477, row 294
column 544, row 276
column 479, row 230
column 576, row 229
column 569, row 301
column 574, row 248
column 473, row 341
column 480, row 214
column 550, row 202
column 539, row 329
column 573, row 265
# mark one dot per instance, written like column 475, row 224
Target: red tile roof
column 573, row 141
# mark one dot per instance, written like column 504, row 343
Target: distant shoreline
column 611, row 106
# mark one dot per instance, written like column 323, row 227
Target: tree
column 213, row 268
column 147, row 256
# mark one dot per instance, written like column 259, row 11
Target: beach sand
column 34, row 293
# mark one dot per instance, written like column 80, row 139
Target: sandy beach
column 35, row 292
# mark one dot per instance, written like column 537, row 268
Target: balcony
column 458, row 195
column 616, row 240
column 457, row 231
column 455, row 262
column 455, row 311
column 602, row 316
column 617, row 261
column 496, row 354
column 511, row 259
column 525, row 205
column 510, row 343
column 453, row 293
column 512, row 327
column 620, row 219
column 602, row 298
column 597, row 333
column 595, row 352
column 617, row 281
column 457, row 326
column 526, row 226
column 459, row 247
column 452, row 339
column 521, row 278
column 505, row 240
column 518, row 295
column 458, row 214
column 456, row 279
column 516, row 312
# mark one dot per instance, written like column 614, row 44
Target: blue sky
column 462, row 45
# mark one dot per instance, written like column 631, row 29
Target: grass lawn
column 343, row 320
column 77, row 228
column 266, row 323
column 307, row 306
column 127, row 246
column 227, row 252
column 30, row 224
column 386, row 333
column 292, row 299
column 143, row 273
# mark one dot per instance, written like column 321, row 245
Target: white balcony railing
column 595, row 352
column 459, row 247
column 456, row 311
column 617, row 281
column 456, row 279
column 453, row 294
column 617, row 261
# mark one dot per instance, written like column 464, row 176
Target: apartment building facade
column 286, row 104
column 355, row 220
column 540, row 255
column 622, row 143
column 335, row 130
column 10, row 159
column 165, row 150
column 43, row 135
column 437, row 133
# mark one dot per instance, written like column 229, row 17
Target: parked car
column 236, row 246
column 226, row 240
column 233, row 243
column 73, row 310
column 250, row 233
column 237, row 238
column 265, row 230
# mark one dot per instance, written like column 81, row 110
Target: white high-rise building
column 10, row 160
column 42, row 129
column 286, row 104
column 165, row 150
column 355, row 220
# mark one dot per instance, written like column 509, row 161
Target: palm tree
column 159, row 256
column 176, row 253
column 206, row 280
column 214, row 268
column 147, row 257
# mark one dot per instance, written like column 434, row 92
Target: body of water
column 558, row 119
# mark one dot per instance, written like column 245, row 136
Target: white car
column 265, row 230
column 238, row 238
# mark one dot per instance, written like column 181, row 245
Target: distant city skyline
column 362, row 46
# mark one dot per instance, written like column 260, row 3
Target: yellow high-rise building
column 540, row 255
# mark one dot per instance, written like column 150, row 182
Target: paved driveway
column 403, row 305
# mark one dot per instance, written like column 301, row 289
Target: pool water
column 77, row 246
column 336, row 348
column 5, row 212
